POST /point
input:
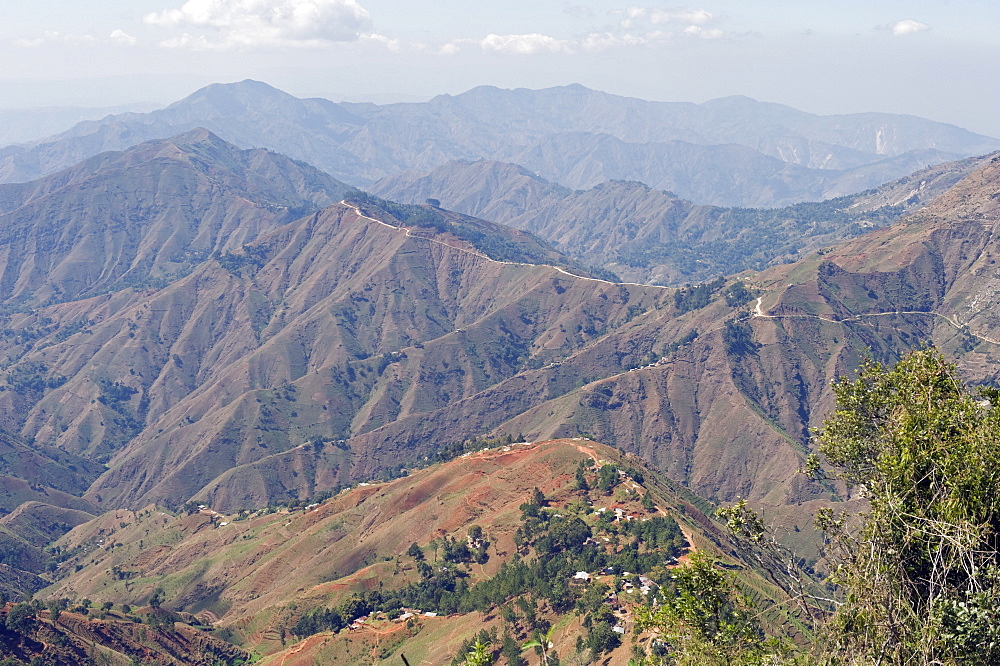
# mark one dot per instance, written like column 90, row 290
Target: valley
column 249, row 411
column 252, row 573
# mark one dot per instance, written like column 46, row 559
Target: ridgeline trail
column 953, row 321
column 475, row 253
column 756, row 312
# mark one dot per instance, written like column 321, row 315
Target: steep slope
column 645, row 235
column 727, row 412
column 931, row 278
column 25, row 534
column 84, row 636
column 39, row 502
column 756, row 154
column 348, row 343
column 349, row 324
column 44, row 467
column 145, row 216
column 260, row 577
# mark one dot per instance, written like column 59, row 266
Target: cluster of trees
column 608, row 476
column 659, row 532
column 554, row 548
column 697, row 296
column 32, row 377
column 917, row 575
column 253, row 256
column 754, row 238
column 738, row 295
column 738, row 338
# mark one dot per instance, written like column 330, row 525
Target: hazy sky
column 936, row 59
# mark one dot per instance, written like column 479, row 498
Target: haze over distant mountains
column 188, row 322
column 646, row 235
column 733, row 151
column 20, row 125
column 223, row 318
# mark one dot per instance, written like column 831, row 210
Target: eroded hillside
column 418, row 565
column 348, row 343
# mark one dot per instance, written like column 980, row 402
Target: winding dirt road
column 756, row 312
column 475, row 253
column 953, row 321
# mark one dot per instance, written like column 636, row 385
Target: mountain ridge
column 100, row 208
column 302, row 360
column 646, row 235
column 362, row 142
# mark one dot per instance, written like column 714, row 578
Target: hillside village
column 289, row 381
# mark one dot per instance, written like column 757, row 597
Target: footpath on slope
column 406, row 230
column 953, row 321
column 757, row 312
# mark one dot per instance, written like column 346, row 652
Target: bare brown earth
column 345, row 544
column 645, row 234
column 73, row 639
column 376, row 344
column 252, row 576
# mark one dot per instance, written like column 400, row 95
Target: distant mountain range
column 186, row 322
column 29, row 124
column 646, row 235
column 732, row 152
column 204, row 327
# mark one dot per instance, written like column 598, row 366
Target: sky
column 936, row 59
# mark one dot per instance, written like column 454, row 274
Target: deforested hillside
column 505, row 538
column 643, row 234
column 146, row 216
column 351, row 342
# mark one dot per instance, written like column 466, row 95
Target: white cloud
column 906, row 27
column 231, row 24
column 121, row 37
column 692, row 16
column 30, row 43
column 634, row 18
column 393, row 45
column 633, row 15
column 188, row 41
column 636, row 27
column 601, row 41
column 456, row 45
column 527, row 44
column 698, row 31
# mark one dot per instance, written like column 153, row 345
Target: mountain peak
column 234, row 98
column 240, row 88
column 198, row 141
column 197, row 135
